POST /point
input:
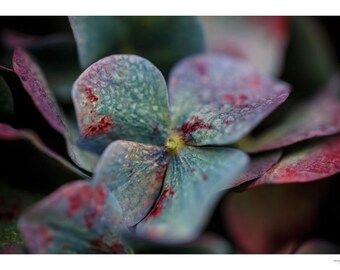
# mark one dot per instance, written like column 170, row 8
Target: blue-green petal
column 121, row 97
column 191, row 188
column 134, row 173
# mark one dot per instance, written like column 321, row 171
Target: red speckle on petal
column 199, row 67
column 243, row 97
column 157, row 209
column 192, row 169
column 101, row 127
column 159, row 175
column 98, row 244
column 254, row 81
column 205, row 177
column 86, row 197
column 45, row 236
column 194, row 124
column 229, row 98
column 89, row 94
column 66, row 246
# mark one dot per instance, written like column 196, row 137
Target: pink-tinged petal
column 42, row 153
column 228, row 98
column 134, row 173
column 34, row 82
column 314, row 118
column 80, row 217
column 259, row 164
column 260, row 40
column 268, row 218
column 191, row 189
column 318, row 246
column 121, row 97
column 36, row 86
column 309, row 163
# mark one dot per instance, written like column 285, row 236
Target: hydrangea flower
column 125, row 97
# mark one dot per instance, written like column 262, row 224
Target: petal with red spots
column 80, row 217
column 121, row 97
column 228, row 98
column 314, row 118
column 259, row 164
column 134, row 173
column 190, row 192
column 310, row 162
column 35, row 84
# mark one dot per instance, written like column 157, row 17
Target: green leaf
column 162, row 40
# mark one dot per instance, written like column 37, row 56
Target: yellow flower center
column 174, row 143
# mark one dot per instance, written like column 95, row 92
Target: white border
column 170, row 7
column 164, row 262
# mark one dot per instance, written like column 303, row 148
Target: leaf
column 134, row 173
column 6, row 100
column 313, row 118
column 80, row 217
column 309, row 162
column 121, row 97
column 259, row 164
column 54, row 52
column 36, row 86
column 227, row 98
column 267, row 218
column 162, row 40
column 246, row 37
column 190, row 191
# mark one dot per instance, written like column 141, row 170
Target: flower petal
column 246, row 37
column 190, row 192
column 134, row 173
column 259, row 164
column 314, row 118
column 267, row 218
column 121, row 97
column 227, row 98
column 311, row 162
column 35, row 84
column 163, row 40
column 81, row 217
column 54, row 52
column 6, row 100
